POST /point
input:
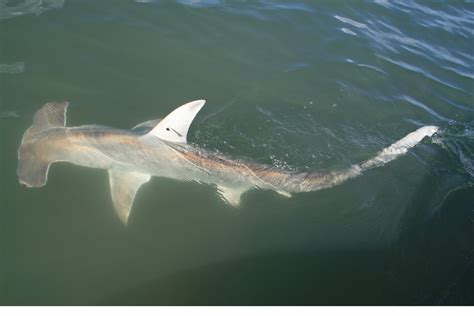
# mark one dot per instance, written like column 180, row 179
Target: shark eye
column 167, row 128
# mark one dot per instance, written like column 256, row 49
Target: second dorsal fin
column 174, row 127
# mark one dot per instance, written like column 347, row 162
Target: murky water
column 298, row 85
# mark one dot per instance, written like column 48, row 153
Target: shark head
column 33, row 160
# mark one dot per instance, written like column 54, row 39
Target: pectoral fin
column 124, row 187
column 230, row 196
column 284, row 193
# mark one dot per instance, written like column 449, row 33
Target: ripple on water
column 372, row 67
column 36, row 7
column 450, row 19
column 420, row 71
column 348, row 31
column 200, row 3
column 424, row 107
column 351, row 22
column 458, row 140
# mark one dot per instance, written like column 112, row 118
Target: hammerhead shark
column 159, row 148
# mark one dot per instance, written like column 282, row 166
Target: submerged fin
column 174, row 127
column 145, row 127
column 124, row 187
column 284, row 193
column 52, row 114
column 230, row 196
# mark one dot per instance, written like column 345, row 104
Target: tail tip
column 429, row 130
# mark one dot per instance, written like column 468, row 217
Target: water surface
column 301, row 85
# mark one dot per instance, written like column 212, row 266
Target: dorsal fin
column 52, row 114
column 174, row 127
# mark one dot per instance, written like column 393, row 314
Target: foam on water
column 14, row 68
column 9, row 114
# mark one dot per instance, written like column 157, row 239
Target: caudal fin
column 316, row 181
column 399, row 148
column 33, row 158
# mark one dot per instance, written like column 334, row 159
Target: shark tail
column 33, row 160
column 306, row 182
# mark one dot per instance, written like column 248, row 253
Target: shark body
column 159, row 148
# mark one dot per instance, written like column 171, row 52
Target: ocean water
column 300, row 85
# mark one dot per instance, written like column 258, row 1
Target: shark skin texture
column 159, row 148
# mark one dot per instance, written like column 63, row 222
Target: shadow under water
column 353, row 277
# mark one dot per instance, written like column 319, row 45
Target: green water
column 299, row 85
